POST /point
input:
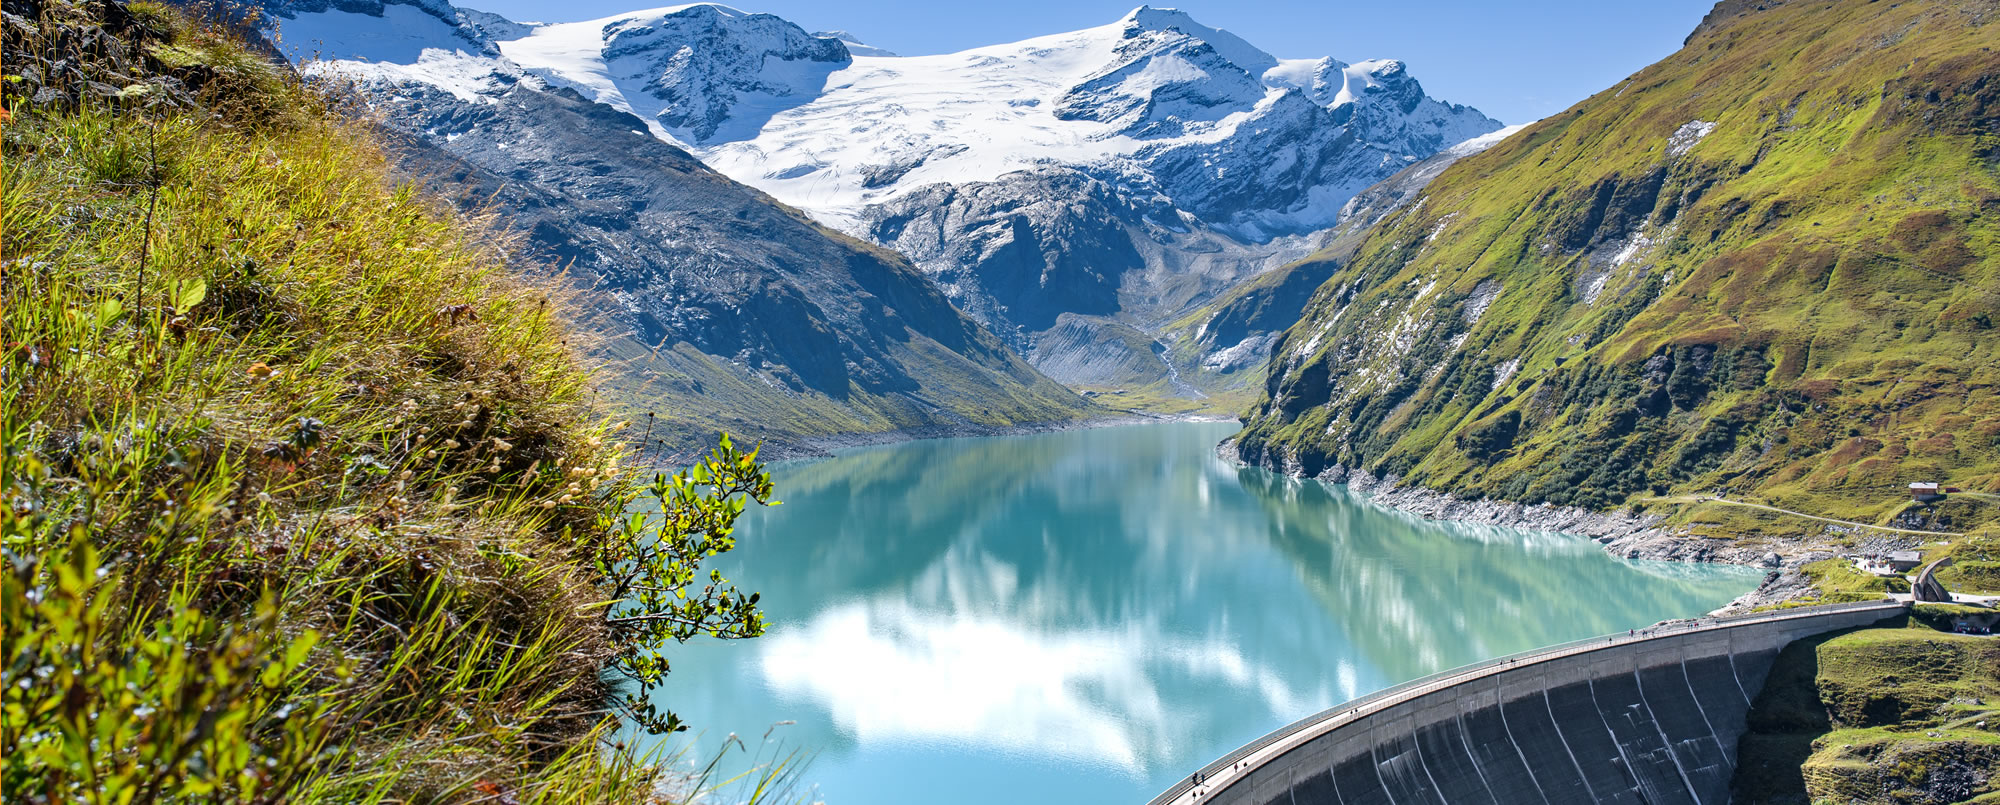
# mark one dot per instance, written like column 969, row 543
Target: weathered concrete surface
column 1651, row 718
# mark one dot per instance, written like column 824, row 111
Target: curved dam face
column 1648, row 718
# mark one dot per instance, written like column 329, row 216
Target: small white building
column 1927, row 491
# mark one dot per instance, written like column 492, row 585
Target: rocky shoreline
column 1630, row 536
column 824, row 446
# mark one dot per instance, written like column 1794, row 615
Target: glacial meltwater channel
column 1083, row 617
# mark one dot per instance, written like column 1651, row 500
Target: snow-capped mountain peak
column 1228, row 45
column 1155, row 102
column 1071, row 191
column 690, row 70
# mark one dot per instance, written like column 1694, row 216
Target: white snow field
column 818, row 125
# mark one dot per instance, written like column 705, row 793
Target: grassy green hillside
column 1881, row 715
column 308, row 498
column 1768, row 265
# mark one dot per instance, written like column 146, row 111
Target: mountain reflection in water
column 1086, row 616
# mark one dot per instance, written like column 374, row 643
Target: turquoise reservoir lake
column 1086, row 616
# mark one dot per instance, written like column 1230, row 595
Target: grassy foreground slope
column 306, row 498
column 1768, row 264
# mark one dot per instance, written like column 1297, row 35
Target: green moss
column 1875, row 715
column 1804, row 329
column 309, row 498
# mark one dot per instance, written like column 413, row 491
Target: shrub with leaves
column 654, row 564
column 306, row 495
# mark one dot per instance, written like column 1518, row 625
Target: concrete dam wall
column 1648, row 718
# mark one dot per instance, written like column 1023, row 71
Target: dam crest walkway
column 1650, row 717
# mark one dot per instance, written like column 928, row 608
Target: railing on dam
column 1222, row 772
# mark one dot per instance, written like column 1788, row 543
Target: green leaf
column 108, row 311
column 188, row 295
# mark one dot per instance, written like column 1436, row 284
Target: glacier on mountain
column 1154, row 103
column 1123, row 174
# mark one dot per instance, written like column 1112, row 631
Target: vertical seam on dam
column 1499, row 707
column 1739, row 679
column 1376, row 766
column 1459, row 720
column 1705, row 721
column 1631, row 770
column 1665, row 741
column 1423, row 762
column 1564, row 740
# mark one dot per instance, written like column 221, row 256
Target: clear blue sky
column 1515, row 61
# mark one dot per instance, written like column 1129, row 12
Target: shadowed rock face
column 1019, row 251
column 672, row 253
column 704, row 62
column 1066, row 267
column 1155, row 161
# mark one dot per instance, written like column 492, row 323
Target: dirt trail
column 1728, row 502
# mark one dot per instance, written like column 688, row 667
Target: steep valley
column 1075, row 193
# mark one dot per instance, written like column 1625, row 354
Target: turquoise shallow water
column 1087, row 616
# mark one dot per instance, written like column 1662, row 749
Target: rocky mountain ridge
column 720, row 308
column 1119, row 175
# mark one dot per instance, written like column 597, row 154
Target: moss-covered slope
column 1767, row 264
column 1883, row 715
column 307, row 494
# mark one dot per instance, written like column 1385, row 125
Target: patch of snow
column 1439, row 229
column 1483, row 141
column 1685, row 137
column 1155, row 103
column 1245, row 352
column 1635, row 244
column 1593, row 286
column 1504, row 371
column 404, row 45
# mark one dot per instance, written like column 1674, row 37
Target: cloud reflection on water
column 1115, row 603
column 962, row 659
